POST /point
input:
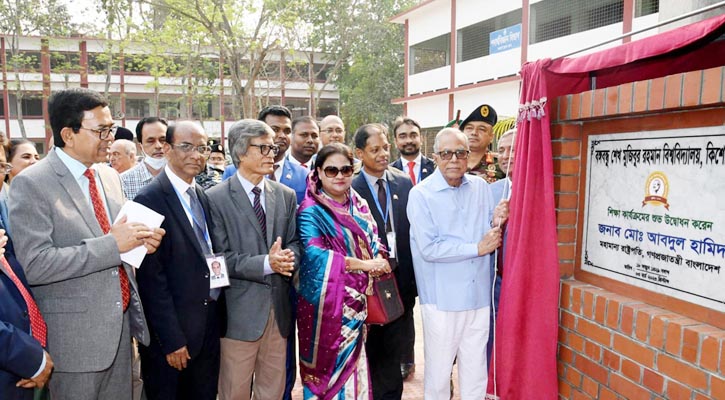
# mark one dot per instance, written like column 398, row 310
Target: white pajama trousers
column 451, row 334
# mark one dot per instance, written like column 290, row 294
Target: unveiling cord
column 506, row 195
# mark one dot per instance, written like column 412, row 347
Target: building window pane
column 646, row 7
column 137, row 108
column 473, row 40
column 431, row 54
column 169, row 110
column 551, row 19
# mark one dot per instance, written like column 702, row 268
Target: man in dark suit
column 406, row 133
column 24, row 364
column 386, row 191
column 182, row 360
column 72, row 253
column 255, row 226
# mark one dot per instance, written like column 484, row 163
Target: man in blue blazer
column 182, row 360
column 285, row 172
column 23, row 360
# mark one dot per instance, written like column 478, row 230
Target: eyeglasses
column 448, row 154
column 103, row 133
column 330, row 131
column 188, row 148
column 266, row 148
column 5, row 167
column 332, row 172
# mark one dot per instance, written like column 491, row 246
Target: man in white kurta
column 453, row 234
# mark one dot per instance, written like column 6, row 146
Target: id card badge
column 392, row 247
column 218, row 275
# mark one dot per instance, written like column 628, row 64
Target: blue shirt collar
column 439, row 183
column 372, row 181
column 76, row 168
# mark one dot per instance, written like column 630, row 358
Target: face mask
column 155, row 163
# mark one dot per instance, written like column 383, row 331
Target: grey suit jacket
column 72, row 266
column 238, row 234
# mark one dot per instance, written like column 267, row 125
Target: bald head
column 332, row 130
column 446, row 132
column 123, row 155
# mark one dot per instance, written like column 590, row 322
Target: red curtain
column 527, row 324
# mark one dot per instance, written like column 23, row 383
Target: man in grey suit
column 62, row 211
column 255, row 225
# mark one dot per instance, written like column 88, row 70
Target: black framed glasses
column 188, row 148
column 448, row 154
column 6, row 167
column 103, row 133
column 266, row 148
column 332, row 172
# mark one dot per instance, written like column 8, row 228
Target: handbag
column 384, row 304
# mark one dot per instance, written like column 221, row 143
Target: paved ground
column 413, row 389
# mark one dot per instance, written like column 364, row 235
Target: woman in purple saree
column 341, row 253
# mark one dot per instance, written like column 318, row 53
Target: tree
column 24, row 18
column 244, row 31
column 374, row 75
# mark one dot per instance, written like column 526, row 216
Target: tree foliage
column 374, row 75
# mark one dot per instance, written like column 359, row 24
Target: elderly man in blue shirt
column 456, row 231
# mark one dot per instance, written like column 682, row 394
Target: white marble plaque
column 654, row 214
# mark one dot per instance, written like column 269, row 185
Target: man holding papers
column 61, row 211
column 182, row 360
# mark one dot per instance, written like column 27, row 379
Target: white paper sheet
column 138, row 213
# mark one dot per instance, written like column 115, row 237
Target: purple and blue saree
column 332, row 305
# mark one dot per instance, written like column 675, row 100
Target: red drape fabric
column 527, row 324
column 526, row 328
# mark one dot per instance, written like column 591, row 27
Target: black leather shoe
column 407, row 370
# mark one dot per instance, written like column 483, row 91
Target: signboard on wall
column 504, row 39
column 654, row 213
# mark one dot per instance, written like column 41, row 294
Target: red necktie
column 100, row 210
column 411, row 171
column 304, row 165
column 37, row 323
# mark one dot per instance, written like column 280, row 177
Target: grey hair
column 128, row 146
column 506, row 134
column 242, row 133
column 446, row 132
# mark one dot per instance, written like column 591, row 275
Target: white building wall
column 429, row 111
column 431, row 21
column 469, row 12
column 434, row 79
column 504, row 98
column 489, row 67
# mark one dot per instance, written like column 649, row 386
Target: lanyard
column 377, row 201
column 187, row 207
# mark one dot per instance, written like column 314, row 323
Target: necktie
column 411, row 171
column 271, row 176
column 198, row 213
column 259, row 211
column 383, row 201
column 304, row 165
column 37, row 323
column 200, row 231
column 100, row 210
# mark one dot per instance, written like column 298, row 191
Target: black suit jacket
column 400, row 185
column 22, row 354
column 427, row 166
column 174, row 281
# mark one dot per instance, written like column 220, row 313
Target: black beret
column 216, row 146
column 484, row 113
column 123, row 133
